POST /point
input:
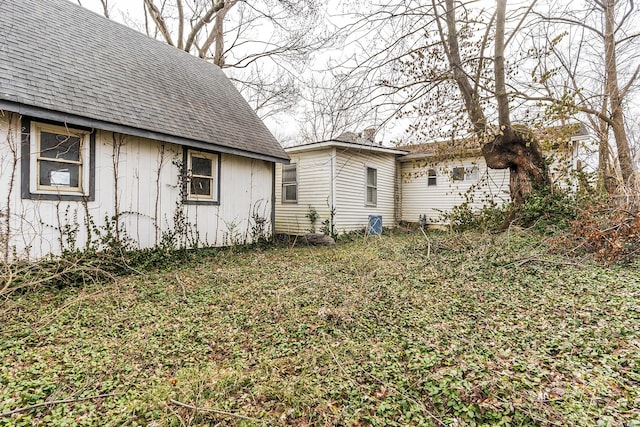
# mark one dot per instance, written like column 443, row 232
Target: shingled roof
column 62, row 62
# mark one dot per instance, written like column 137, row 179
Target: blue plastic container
column 375, row 225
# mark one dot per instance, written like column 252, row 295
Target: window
column 432, row 178
column 57, row 162
column 471, row 173
column 290, row 183
column 461, row 173
column 202, row 177
column 372, row 187
column 458, row 174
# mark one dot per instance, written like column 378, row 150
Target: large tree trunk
column 452, row 49
column 519, row 151
column 515, row 147
column 606, row 181
column 615, row 99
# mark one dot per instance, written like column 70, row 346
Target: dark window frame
column 28, row 193
column 216, row 177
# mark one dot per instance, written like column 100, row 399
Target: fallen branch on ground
column 545, row 261
column 214, row 411
column 56, row 402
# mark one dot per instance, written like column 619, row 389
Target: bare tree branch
column 625, row 89
column 56, row 402
column 501, row 93
column 205, row 19
column 158, row 19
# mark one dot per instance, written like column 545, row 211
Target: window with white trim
column 290, row 183
column 202, row 176
column 471, row 173
column 58, row 161
column 432, row 177
column 372, row 187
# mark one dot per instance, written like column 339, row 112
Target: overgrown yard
column 403, row 330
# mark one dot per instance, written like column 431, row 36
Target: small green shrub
column 312, row 215
column 328, row 228
column 547, row 212
column 463, row 217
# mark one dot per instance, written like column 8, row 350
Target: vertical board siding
column 41, row 227
column 314, row 189
column 564, row 164
column 352, row 213
column 420, row 199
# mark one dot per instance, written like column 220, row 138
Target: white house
column 411, row 184
column 106, row 133
column 344, row 181
column 436, row 177
column 431, row 186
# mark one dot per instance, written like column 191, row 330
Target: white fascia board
column 341, row 144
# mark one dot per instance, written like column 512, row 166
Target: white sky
column 285, row 128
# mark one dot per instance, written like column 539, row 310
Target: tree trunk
column 615, row 99
column 519, row 151
column 218, row 57
column 452, row 48
column 515, row 148
column 606, row 181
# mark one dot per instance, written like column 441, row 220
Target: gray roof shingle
column 58, row 56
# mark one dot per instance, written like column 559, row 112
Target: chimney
column 369, row 134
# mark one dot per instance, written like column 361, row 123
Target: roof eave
column 333, row 143
column 42, row 113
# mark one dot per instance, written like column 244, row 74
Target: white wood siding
column 314, row 189
column 564, row 165
column 420, row 199
column 146, row 205
column 352, row 213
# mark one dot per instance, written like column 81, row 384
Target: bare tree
column 262, row 44
column 437, row 64
column 334, row 105
column 457, row 69
column 602, row 68
column 510, row 147
column 358, row 85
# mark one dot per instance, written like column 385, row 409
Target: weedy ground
column 441, row 329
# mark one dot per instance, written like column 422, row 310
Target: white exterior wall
column 493, row 184
column 314, row 189
column 352, row 213
column 146, row 205
column 420, row 199
column 565, row 163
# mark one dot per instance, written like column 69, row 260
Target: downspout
column 397, row 188
column 333, row 187
column 273, row 200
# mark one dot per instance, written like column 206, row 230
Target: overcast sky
column 285, row 128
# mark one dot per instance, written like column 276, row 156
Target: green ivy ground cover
column 401, row 330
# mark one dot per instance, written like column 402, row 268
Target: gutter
column 72, row 119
